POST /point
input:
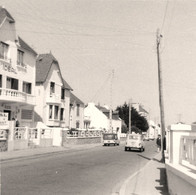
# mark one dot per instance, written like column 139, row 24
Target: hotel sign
column 4, row 120
column 7, row 67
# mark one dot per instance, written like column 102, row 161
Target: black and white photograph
column 97, row 97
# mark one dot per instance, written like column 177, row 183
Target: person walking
column 158, row 142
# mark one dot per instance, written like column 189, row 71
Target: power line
column 101, row 87
column 163, row 23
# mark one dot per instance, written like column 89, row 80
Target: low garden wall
column 3, row 145
column 81, row 140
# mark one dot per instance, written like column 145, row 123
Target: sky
column 107, row 53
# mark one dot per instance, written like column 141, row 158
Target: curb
column 46, row 153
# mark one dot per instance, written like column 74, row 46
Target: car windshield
column 134, row 137
column 109, row 136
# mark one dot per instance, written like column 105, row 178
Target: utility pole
column 130, row 102
column 111, row 130
column 159, row 37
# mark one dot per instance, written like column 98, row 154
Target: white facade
column 17, row 75
column 52, row 109
column 96, row 119
column 76, row 116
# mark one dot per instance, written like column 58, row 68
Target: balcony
column 53, row 98
column 21, row 65
column 11, row 95
column 87, row 118
column 4, row 58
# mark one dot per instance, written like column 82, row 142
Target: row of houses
column 34, row 91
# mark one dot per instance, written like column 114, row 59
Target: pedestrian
column 158, row 142
column 17, row 124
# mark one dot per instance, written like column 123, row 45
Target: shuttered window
column 27, row 114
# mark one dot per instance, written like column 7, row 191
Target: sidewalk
column 150, row 180
column 17, row 154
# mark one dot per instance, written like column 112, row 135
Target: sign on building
column 4, row 124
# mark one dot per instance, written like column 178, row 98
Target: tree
column 136, row 119
column 136, row 130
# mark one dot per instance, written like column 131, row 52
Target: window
column 0, row 80
column 54, row 109
column 56, row 112
column 3, row 50
column 27, row 87
column 78, row 109
column 20, row 57
column 26, row 114
column 62, row 93
column 12, row 83
column 62, row 114
column 50, row 111
column 77, row 124
column 52, row 88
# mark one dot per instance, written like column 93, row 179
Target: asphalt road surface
column 99, row 170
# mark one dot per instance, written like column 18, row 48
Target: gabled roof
column 24, row 45
column 115, row 115
column 43, row 66
column 102, row 109
column 66, row 85
column 141, row 109
column 4, row 13
column 74, row 99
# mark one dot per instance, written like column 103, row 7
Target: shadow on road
column 144, row 157
column 162, row 187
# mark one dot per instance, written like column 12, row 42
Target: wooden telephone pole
column 111, row 84
column 159, row 36
column 130, row 102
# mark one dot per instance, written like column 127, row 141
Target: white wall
column 22, row 74
column 98, row 119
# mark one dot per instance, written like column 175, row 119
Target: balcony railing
column 20, row 133
column 21, row 64
column 188, row 151
column 84, row 133
column 16, row 96
column 5, row 58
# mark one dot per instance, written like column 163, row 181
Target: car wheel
column 125, row 148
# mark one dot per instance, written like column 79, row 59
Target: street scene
column 97, row 97
column 93, row 170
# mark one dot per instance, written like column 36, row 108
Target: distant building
column 97, row 117
column 52, row 93
column 17, row 73
column 139, row 108
column 76, row 112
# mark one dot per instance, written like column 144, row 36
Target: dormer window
column 27, row 87
column 78, row 110
column 52, row 88
column 20, row 58
column 62, row 93
column 4, row 50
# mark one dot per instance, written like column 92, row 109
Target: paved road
column 98, row 171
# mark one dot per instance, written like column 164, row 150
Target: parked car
column 146, row 138
column 111, row 138
column 135, row 142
